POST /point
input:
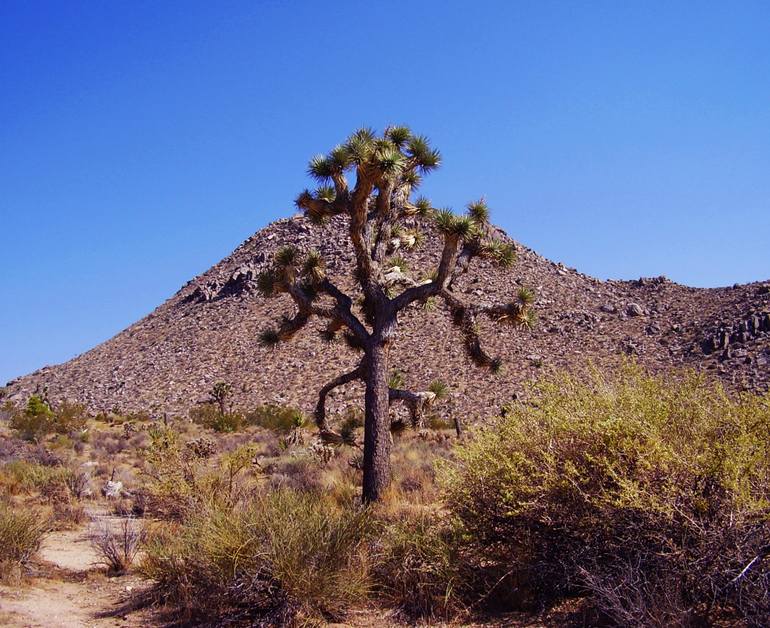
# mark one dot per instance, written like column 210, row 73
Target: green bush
column 21, row 532
column 209, row 415
column 648, row 494
column 22, row 476
column 37, row 419
column 179, row 479
column 285, row 556
column 281, row 419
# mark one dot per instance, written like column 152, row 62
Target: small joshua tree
column 219, row 394
column 378, row 207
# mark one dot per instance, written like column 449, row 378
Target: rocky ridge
column 208, row 332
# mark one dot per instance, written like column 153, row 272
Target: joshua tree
column 378, row 208
column 219, row 394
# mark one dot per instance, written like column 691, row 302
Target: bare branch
column 464, row 317
column 343, row 310
column 423, row 291
column 320, row 409
column 416, row 402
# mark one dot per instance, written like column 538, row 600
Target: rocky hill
column 208, row 332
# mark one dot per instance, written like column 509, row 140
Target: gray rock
column 634, row 309
column 113, row 489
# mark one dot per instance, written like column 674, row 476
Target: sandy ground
column 71, row 589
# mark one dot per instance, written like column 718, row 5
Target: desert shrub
column 417, row 567
column 209, row 415
column 22, row 476
column 69, row 418
column 37, row 419
column 179, row 479
column 282, row 419
column 21, row 532
column 67, row 515
column 649, row 494
column 34, row 421
column 117, row 548
column 286, row 554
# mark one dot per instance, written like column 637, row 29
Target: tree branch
column 423, row 291
column 416, row 402
column 320, row 409
column 344, row 310
column 464, row 317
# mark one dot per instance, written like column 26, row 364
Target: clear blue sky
column 140, row 142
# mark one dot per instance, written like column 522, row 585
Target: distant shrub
column 21, row 532
column 287, row 555
column 22, row 476
column 352, row 420
column 179, row 480
column 209, row 415
column 281, row 419
column 37, row 419
column 650, row 495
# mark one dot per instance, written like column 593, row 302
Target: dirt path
column 71, row 590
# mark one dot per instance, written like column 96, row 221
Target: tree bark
column 377, row 439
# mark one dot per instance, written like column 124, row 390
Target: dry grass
column 21, row 532
column 118, row 548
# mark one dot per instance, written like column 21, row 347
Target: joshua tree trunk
column 377, row 439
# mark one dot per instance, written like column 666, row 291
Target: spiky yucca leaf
column 529, row 318
column 412, row 178
column 269, row 337
column 360, row 145
column 390, row 161
column 444, row 220
column 463, row 227
column 479, row 212
column 502, row 253
column 339, row 156
column 423, row 206
column 525, row 296
column 399, row 135
column 303, row 199
column 326, row 193
column 419, row 149
column 267, row 283
column 313, row 267
column 396, row 379
column 286, row 256
column 365, row 134
column 439, row 388
column 398, row 262
column 413, row 238
column 320, row 168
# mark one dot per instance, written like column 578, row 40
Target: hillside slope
column 208, row 332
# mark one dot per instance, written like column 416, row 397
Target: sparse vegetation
column 640, row 500
column 117, row 548
column 37, row 419
column 21, row 532
column 283, row 555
